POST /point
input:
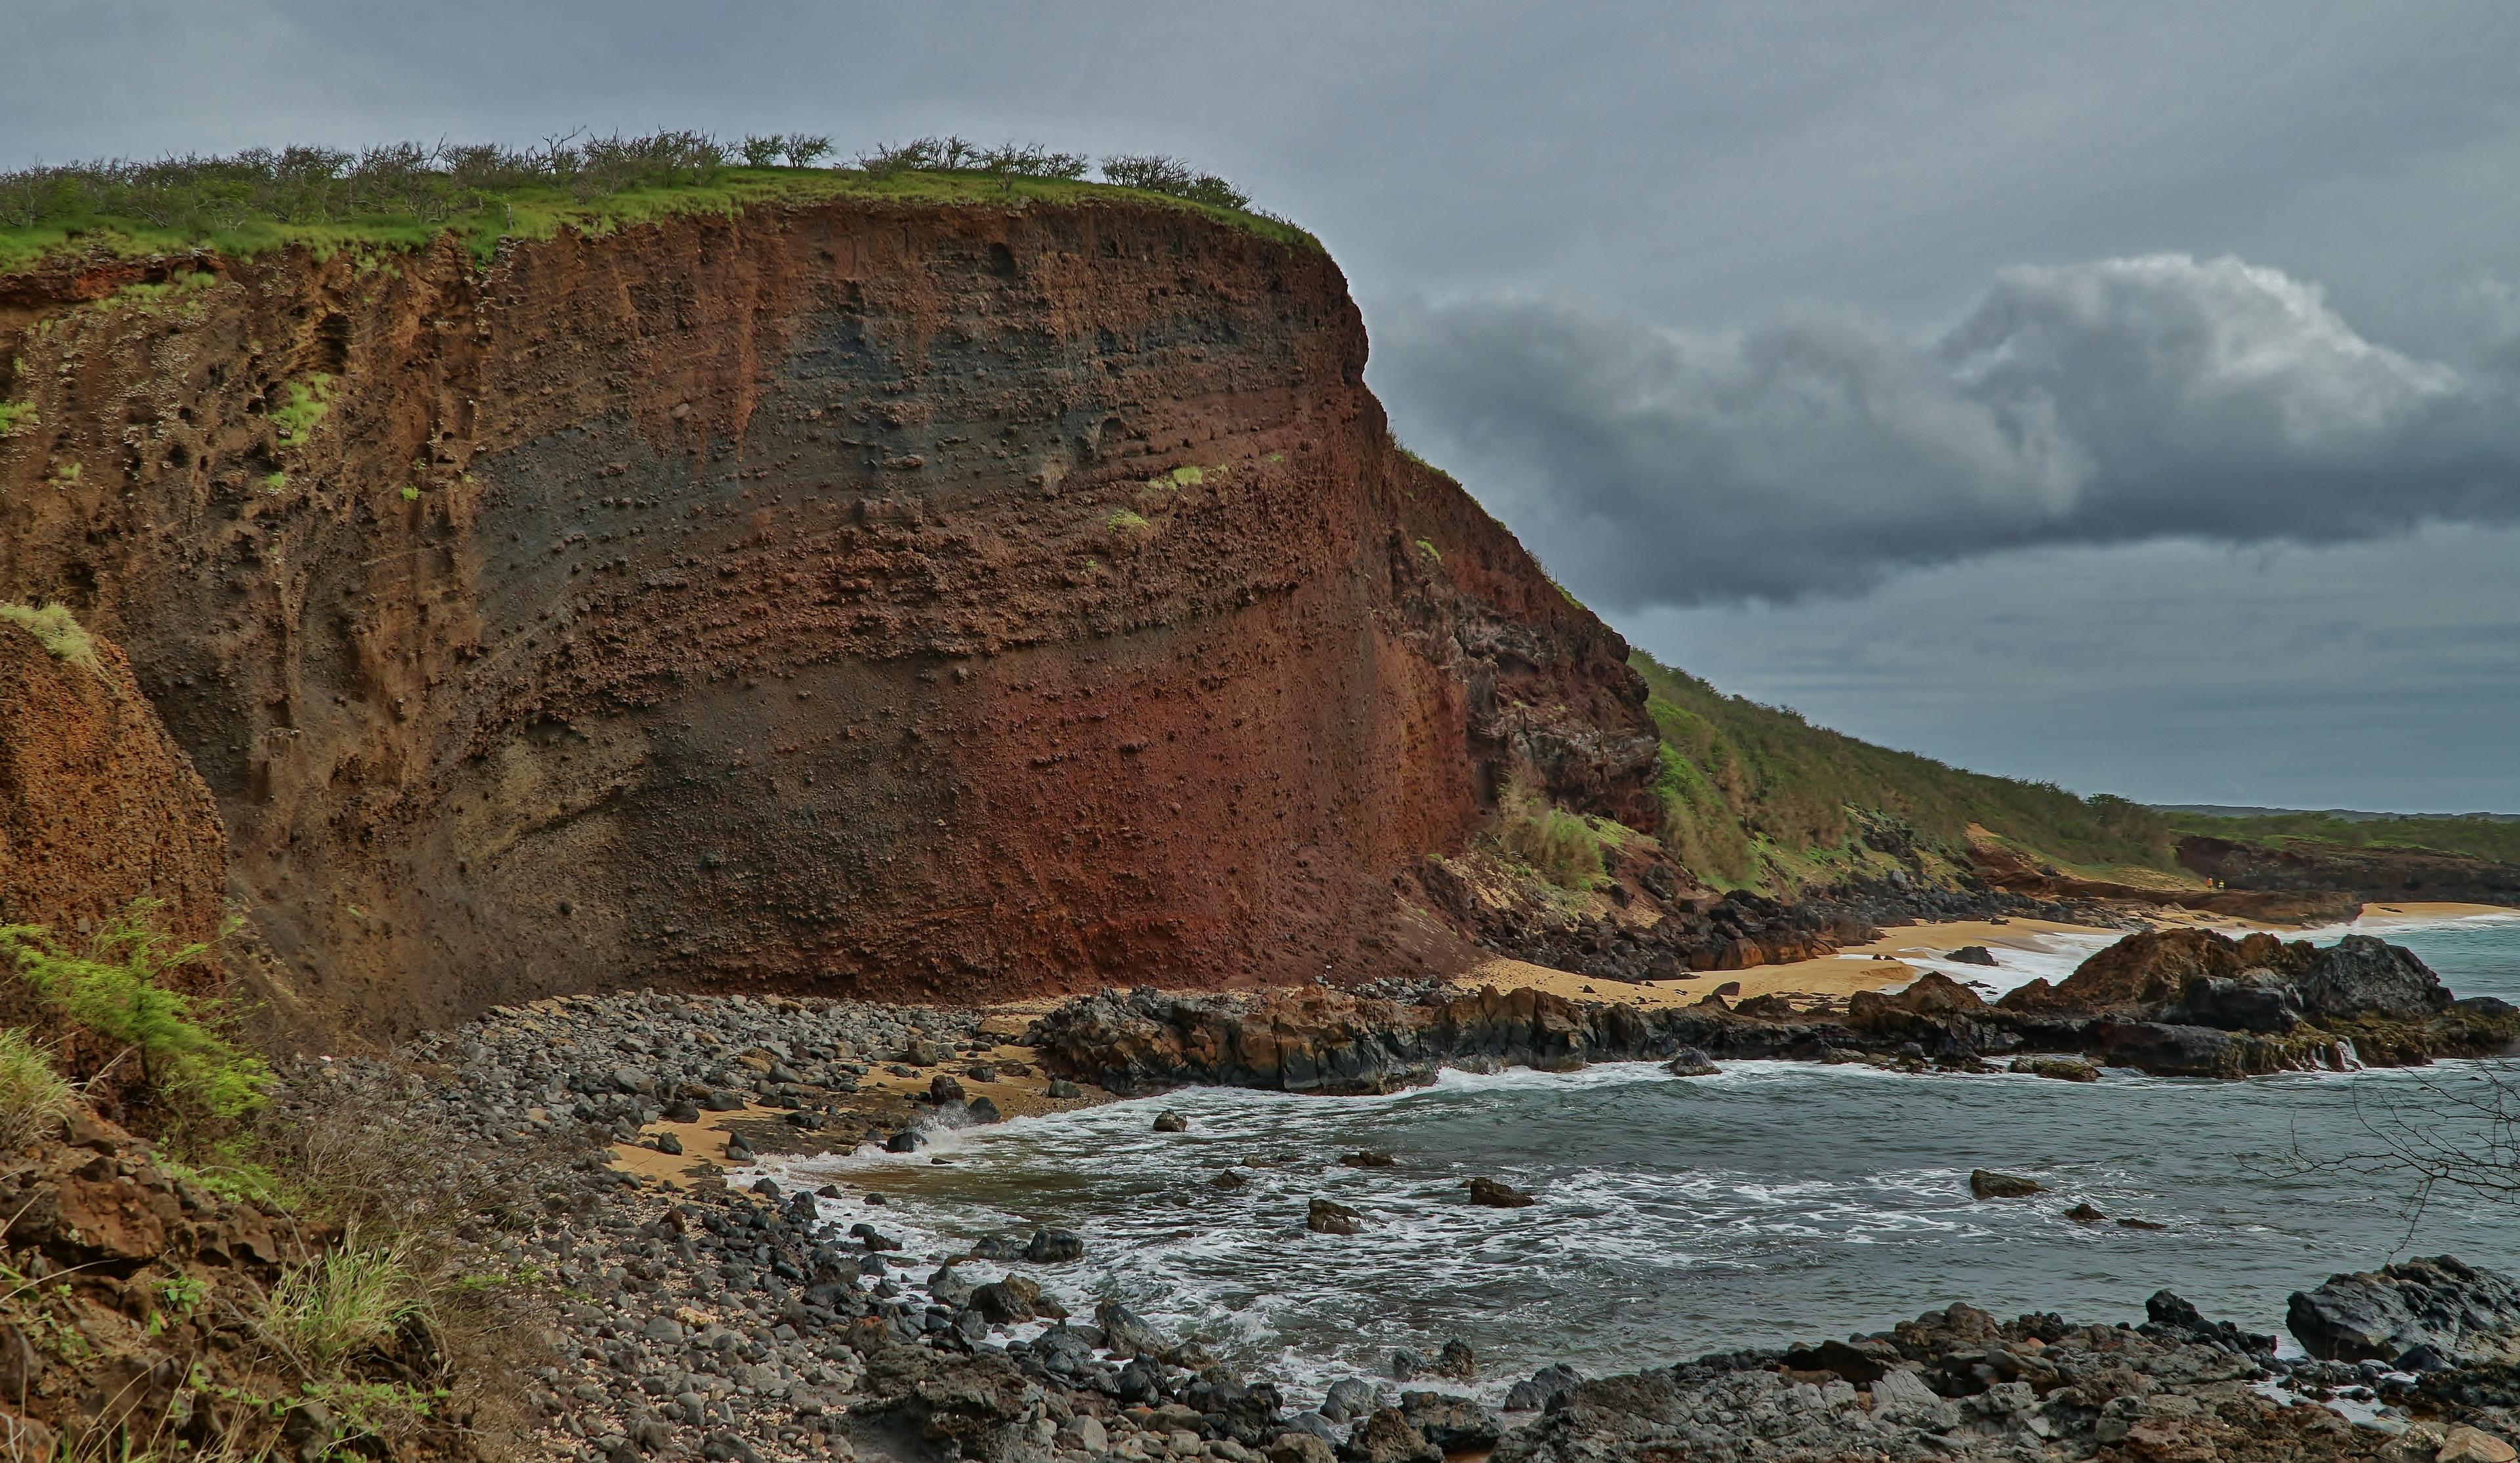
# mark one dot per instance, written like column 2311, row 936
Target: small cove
column 1778, row 1201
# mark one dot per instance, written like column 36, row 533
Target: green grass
column 1561, row 846
column 1426, row 546
column 116, row 989
column 304, row 405
column 1755, row 796
column 34, row 1097
column 351, row 1298
column 59, row 631
column 404, row 198
column 1123, row 521
column 2477, row 838
column 16, row 414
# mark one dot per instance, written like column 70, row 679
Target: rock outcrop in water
column 2153, row 1002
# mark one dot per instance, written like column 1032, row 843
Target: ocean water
column 1776, row 1202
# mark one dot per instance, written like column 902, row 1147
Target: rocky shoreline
column 693, row 1317
column 2176, row 1003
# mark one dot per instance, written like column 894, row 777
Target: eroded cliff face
column 884, row 600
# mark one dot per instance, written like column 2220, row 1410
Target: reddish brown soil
column 763, row 613
column 98, row 807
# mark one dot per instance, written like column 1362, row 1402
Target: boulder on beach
column 1349, row 1398
column 1387, row 1437
column 2462, row 1313
column 1535, row 1392
column 1452, row 1424
column 1972, row 955
column 1985, row 1183
column 1128, row 1333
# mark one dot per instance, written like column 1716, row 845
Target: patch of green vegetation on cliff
column 1756, row 797
column 57, row 629
column 404, row 198
column 2492, row 839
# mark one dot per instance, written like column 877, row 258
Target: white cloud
column 2106, row 402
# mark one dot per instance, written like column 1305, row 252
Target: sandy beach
column 1899, row 956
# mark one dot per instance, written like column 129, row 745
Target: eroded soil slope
column 890, row 600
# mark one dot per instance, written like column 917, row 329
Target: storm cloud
column 2109, row 403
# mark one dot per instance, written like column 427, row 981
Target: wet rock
column 1971, row 955
column 2465, row 1314
column 1537, row 1390
column 1409, row 1364
column 1229, row 1180
column 2258, row 1000
column 1169, row 1121
column 1494, row 1195
column 1387, row 1437
column 2057, row 1068
column 2084, row 1214
column 942, row 1090
column 1369, row 1160
column 906, row 1140
column 1350, row 1399
column 1452, row 1424
column 1985, row 1183
column 1456, row 1361
column 1689, row 1061
column 1006, row 1301
column 1327, row 1217
column 1052, row 1247
column 981, row 1110
column 1861, row 1363
column 2361, row 974
column 1128, row 1333
column 2167, row 1314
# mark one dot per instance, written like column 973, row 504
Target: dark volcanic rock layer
column 893, row 600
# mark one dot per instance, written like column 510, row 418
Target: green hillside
column 2489, row 837
column 1754, row 796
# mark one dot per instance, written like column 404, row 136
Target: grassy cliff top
column 1756, row 796
column 404, row 198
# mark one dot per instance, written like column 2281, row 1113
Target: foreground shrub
column 1559, row 846
column 345, row 1300
column 117, row 990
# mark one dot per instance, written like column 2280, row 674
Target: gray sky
column 2119, row 394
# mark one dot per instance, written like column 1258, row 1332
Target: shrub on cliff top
column 62, row 637
column 1153, row 172
column 117, row 989
column 406, row 195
